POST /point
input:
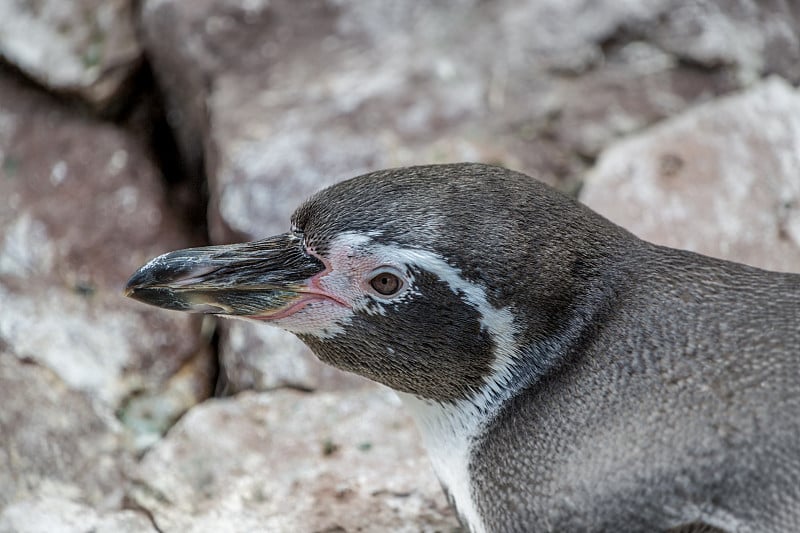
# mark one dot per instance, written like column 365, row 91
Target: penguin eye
column 385, row 283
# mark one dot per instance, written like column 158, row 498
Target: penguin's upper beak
column 259, row 279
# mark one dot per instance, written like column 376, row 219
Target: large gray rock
column 83, row 206
column 722, row 179
column 60, row 515
column 276, row 99
column 289, row 461
column 82, row 47
column 55, row 442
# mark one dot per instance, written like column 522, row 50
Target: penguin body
column 679, row 407
column 565, row 375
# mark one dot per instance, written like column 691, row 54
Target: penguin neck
column 458, row 422
column 450, row 430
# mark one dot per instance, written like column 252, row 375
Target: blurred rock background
column 132, row 127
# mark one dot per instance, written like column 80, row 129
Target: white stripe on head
column 499, row 323
column 449, row 430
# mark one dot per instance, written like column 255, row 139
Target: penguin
column 564, row 374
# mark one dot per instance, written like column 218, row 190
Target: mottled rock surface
column 278, row 99
column 289, row 461
column 56, row 514
column 722, row 179
column 82, row 206
column 55, row 441
column 87, row 48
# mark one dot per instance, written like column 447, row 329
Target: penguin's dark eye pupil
column 385, row 283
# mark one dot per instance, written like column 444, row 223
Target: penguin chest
column 448, row 435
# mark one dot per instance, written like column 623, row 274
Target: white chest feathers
column 449, row 433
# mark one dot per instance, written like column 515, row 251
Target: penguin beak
column 261, row 279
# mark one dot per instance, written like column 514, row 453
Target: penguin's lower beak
column 258, row 279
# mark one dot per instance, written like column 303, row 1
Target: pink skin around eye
column 315, row 290
column 312, row 293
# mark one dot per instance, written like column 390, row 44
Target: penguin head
column 437, row 281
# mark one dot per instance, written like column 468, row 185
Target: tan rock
column 83, row 206
column 290, row 461
column 55, row 441
column 722, row 179
column 83, row 47
column 55, row 514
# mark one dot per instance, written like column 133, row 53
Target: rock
column 276, row 99
column 55, row 441
column 150, row 411
column 54, row 514
column 722, row 179
column 86, row 47
column 289, row 461
column 83, row 207
column 756, row 37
